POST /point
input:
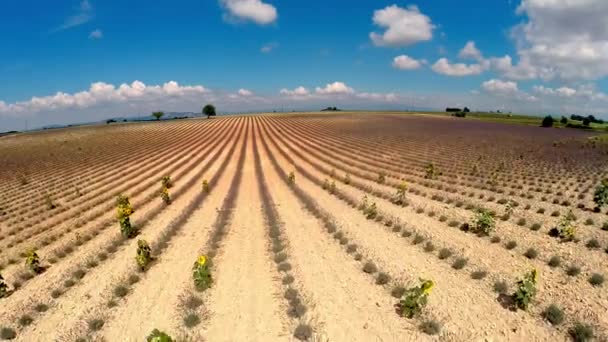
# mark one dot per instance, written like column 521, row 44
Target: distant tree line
column 589, row 119
column 457, row 112
column 330, row 109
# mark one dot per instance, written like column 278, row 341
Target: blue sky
column 240, row 54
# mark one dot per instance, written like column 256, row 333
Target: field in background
column 306, row 231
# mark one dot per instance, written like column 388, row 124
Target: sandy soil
column 247, row 301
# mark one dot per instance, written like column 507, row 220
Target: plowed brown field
column 292, row 260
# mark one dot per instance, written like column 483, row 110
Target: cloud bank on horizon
column 554, row 59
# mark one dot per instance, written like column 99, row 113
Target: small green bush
column 511, row 244
column 158, row 336
column 164, row 195
column 370, row 267
column 32, row 261
column 144, row 254
column 555, row 261
column 125, row 210
column 7, row 333
column 554, row 314
column 382, row 278
column 581, row 332
column 593, row 244
column 459, row 263
column 430, row 327
column 477, row 275
column 484, row 223
column 501, row 286
column 531, row 253
column 371, row 211
column 600, row 197
column 526, row 290
column 415, row 298
column 573, row 270
column 202, row 274
column 445, row 253
column 596, row 279
column 166, row 182
column 400, row 198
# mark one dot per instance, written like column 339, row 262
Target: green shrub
column 479, row 274
column 7, row 333
column 430, row 327
column 371, row 211
column 164, row 195
column 201, row 274
column 445, row 253
column 593, row 244
column 555, row 261
column 206, row 188
column 501, row 286
column 32, row 261
column 400, row 195
column 382, row 278
column 581, row 332
column 566, row 228
column 144, row 254
column 431, row 171
column 600, row 197
column 596, row 279
column 291, row 178
column 166, row 182
column 415, row 299
column 511, row 244
column 573, row 271
column 158, row 336
column 370, row 267
column 526, row 290
column 484, row 223
column 531, row 253
column 554, row 314
column 125, row 210
column 459, row 263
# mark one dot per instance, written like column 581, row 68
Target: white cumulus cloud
column 404, row 26
column 470, row 51
column 245, row 92
column 103, row 93
column 335, row 88
column 251, row 10
column 444, row 67
column 561, row 39
column 299, row 91
column 506, row 89
column 405, row 62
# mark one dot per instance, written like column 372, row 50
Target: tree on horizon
column 209, row 110
column 158, row 115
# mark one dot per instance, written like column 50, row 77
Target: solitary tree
column 586, row 121
column 466, row 110
column 209, row 110
column 564, row 120
column 158, row 115
column 547, row 121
